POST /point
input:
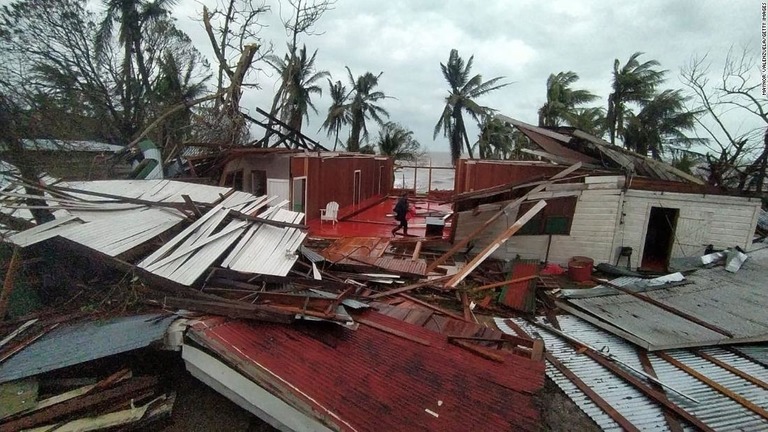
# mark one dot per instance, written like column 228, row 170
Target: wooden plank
column 497, row 242
column 192, row 206
column 433, row 282
column 741, row 374
column 502, row 283
column 13, row 349
column 463, row 242
column 433, row 307
column 134, row 388
column 666, row 307
column 741, row 400
column 592, row 395
column 672, row 422
column 230, row 309
column 8, row 282
column 484, row 353
column 657, row 396
column 392, row 331
column 416, row 250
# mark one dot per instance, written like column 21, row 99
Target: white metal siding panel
column 722, row 221
column 591, row 231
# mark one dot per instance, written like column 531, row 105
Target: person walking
column 401, row 214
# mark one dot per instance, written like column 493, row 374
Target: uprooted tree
column 735, row 119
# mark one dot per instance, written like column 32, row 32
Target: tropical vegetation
column 463, row 91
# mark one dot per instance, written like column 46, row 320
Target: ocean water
column 442, row 173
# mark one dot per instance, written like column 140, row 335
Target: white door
column 279, row 187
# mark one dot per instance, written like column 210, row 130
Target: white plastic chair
column 330, row 212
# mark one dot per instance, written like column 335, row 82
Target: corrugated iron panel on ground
column 268, row 249
column 185, row 257
column 758, row 353
column 371, row 380
column 169, row 191
column 69, row 345
column 735, row 302
column 714, row 408
column 521, row 295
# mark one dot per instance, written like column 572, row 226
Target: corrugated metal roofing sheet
column 263, row 249
column 735, row 302
column 169, row 191
column 82, row 342
column 521, row 295
column 371, row 380
column 714, row 409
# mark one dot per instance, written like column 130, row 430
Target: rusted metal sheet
column 521, row 295
column 373, row 380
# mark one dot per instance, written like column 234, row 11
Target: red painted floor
column 378, row 220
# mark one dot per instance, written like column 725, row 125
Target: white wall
column 722, row 221
column 598, row 230
column 592, row 229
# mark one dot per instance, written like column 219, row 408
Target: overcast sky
column 522, row 40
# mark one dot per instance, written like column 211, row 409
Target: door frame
column 304, row 198
column 357, row 186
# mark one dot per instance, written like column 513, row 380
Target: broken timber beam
column 135, row 388
column 738, row 372
column 672, row 422
column 10, row 277
column 231, row 310
column 392, row 331
column 502, row 283
column 497, row 242
column 463, row 242
column 409, row 287
column 741, row 400
column 432, row 307
column 484, row 353
column 592, row 395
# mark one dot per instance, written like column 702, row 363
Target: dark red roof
column 371, row 380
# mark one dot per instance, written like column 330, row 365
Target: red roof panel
column 372, row 380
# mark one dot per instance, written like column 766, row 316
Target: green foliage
column 337, row 115
column 461, row 98
column 361, row 107
column 299, row 84
column 398, row 143
column 562, row 100
column 662, row 116
column 634, row 82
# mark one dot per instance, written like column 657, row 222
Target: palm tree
column 176, row 84
column 464, row 90
column 562, row 100
column 589, row 120
column 496, row 139
column 398, row 143
column 664, row 116
column 299, row 84
column 337, row 115
column 634, row 82
column 362, row 106
column 131, row 16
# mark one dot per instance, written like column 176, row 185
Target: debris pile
column 364, row 333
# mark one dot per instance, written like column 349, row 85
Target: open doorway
column 659, row 238
column 357, row 189
column 258, row 182
column 299, row 195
